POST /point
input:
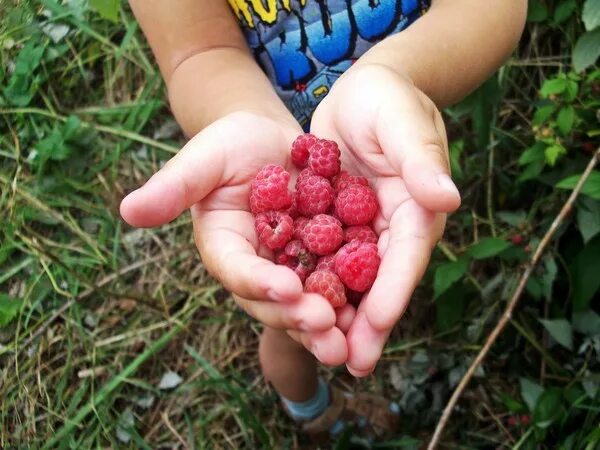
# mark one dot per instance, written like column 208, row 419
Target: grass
column 104, row 312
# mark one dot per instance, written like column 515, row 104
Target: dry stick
column 511, row 304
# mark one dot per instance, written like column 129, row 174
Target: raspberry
column 269, row 190
column 298, row 258
column 323, row 234
column 274, row 228
column 356, row 205
column 328, row 285
column 314, row 194
column 303, row 175
column 362, row 233
column 356, row 263
column 299, row 225
column 326, row 263
column 344, row 179
column 293, row 209
column 301, row 148
column 324, row 158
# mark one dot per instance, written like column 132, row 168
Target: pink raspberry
column 362, row 233
column 324, row 158
column 314, row 194
column 326, row 263
column 323, row 234
column 298, row 258
column 356, row 264
column 274, row 228
column 301, row 148
column 299, row 225
column 328, row 285
column 293, row 209
column 356, row 205
column 269, row 189
column 344, row 179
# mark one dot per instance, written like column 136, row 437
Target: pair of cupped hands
column 389, row 132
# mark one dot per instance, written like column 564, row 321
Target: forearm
column 454, row 47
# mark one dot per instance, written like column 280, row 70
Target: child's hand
column 391, row 133
column 212, row 175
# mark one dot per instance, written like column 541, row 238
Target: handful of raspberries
column 322, row 230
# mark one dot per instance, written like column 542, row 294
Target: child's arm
column 205, row 62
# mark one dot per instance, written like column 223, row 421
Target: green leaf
column 554, row 152
column 450, row 307
column 23, row 82
column 553, row 86
column 564, row 10
column 447, row 274
column 587, row 322
column 488, row 247
column 537, row 11
column 514, row 218
column 531, row 171
column 570, row 93
column 9, row 308
column 455, row 149
column 584, row 274
column 531, row 392
column 560, row 330
column 109, row 9
column 591, row 186
column 591, row 14
column 533, row 154
column 587, row 50
column 543, row 113
column 534, row 287
column 548, row 408
column 565, row 119
column 588, row 218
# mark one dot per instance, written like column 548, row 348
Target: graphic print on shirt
column 305, row 45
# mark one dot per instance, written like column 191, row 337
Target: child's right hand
column 211, row 175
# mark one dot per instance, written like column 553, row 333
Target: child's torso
column 305, row 45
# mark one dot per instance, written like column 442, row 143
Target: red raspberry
column 326, row 263
column 328, row 285
column 274, row 228
column 303, row 175
column 362, row 233
column 293, row 209
column 323, row 234
column 269, row 189
column 301, row 148
column 356, row 264
column 356, row 205
column 324, row 158
column 299, row 225
column 314, row 194
column 298, row 258
column 517, row 239
column 344, row 179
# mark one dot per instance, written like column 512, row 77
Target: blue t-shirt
column 305, row 45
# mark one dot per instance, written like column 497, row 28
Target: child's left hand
column 393, row 134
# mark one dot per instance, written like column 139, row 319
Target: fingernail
column 275, row 296
column 447, row 184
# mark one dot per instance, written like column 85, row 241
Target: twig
column 511, row 304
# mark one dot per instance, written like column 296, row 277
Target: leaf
column 587, row 50
column 571, row 91
column 450, row 307
column 23, row 83
column 531, row 392
column 170, row 380
column 548, row 408
column 9, row 309
column 533, row 153
column 588, row 218
column 549, row 277
column 488, row 247
column 587, row 322
column 531, row 171
column 543, row 113
column 560, row 330
column 591, row 14
column 553, row 86
column 537, row 11
column 534, row 287
column 584, row 274
column 565, row 119
column 455, row 150
column 514, row 218
column 591, row 186
column 108, row 9
column 554, row 152
column 447, row 274
column 564, row 10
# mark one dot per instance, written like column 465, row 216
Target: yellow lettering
column 267, row 14
column 241, row 10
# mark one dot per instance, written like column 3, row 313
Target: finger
column 345, row 316
column 329, row 347
column 365, row 345
column 310, row 313
column 227, row 241
column 413, row 233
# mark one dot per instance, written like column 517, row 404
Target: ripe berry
column 314, row 194
column 326, row 263
column 299, row 225
column 324, row 158
column 269, row 189
column 274, row 228
column 517, row 239
column 356, row 205
column 298, row 258
column 362, row 233
column 328, row 285
column 356, row 263
column 323, row 234
column 344, row 179
column 300, row 149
